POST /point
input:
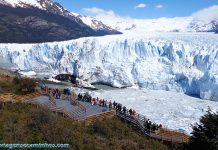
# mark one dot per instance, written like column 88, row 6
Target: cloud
column 140, row 6
column 107, row 16
column 207, row 14
column 159, row 6
column 111, row 18
column 97, row 11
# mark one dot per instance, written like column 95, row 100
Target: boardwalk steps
column 163, row 134
column 79, row 110
column 79, row 113
column 9, row 97
column 99, row 116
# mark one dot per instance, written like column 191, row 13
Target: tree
column 205, row 133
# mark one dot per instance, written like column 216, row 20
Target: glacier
column 171, row 109
column 182, row 62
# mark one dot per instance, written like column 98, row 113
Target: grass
column 17, row 86
column 23, row 123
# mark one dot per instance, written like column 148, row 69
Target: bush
column 22, row 123
column 26, row 86
column 18, row 86
column 205, row 134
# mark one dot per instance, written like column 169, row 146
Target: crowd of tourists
column 56, row 93
column 151, row 127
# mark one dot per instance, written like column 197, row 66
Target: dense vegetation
column 205, row 134
column 23, row 123
column 18, row 86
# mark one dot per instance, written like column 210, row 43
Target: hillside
column 38, row 21
column 22, row 123
column 97, row 25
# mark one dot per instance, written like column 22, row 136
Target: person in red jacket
column 110, row 104
column 133, row 113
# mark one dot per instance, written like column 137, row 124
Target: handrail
column 14, row 97
column 99, row 114
column 135, row 121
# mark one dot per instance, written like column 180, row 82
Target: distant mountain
column 35, row 21
column 205, row 20
column 153, row 25
column 97, row 25
column 178, row 24
column 202, row 26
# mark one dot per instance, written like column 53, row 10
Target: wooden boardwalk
column 163, row 134
column 10, row 97
column 82, row 111
column 85, row 112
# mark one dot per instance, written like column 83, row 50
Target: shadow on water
column 101, row 86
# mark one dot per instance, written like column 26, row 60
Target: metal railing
column 139, row 120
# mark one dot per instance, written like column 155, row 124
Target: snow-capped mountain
column 154, row 25
column 96, row 25
column 179, row 24
column 22, row 3
column 25, row 21
column 205, row 20
column 183, row 62
column 46, row 5
column 200, row 26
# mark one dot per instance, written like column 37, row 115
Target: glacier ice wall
column 183, row 62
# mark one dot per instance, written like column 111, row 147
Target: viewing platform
column 83, row 111
column 88, row 113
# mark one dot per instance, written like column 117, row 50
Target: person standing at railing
column 103, row 103
column 100, row 101
column 114, row 104
column 106, row 103
column 124, row 109
column 92, row 101
column 130, row 112
column 59, row 94
column 46, row 89
column 118, row 106
column 90, row 98
column 110, row 104
column 134, row 113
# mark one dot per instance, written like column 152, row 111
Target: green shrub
column 205, row 134
column 18, row 86
column 22, row 123
column 26, row 86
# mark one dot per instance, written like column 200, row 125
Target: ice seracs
column 182, row 62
